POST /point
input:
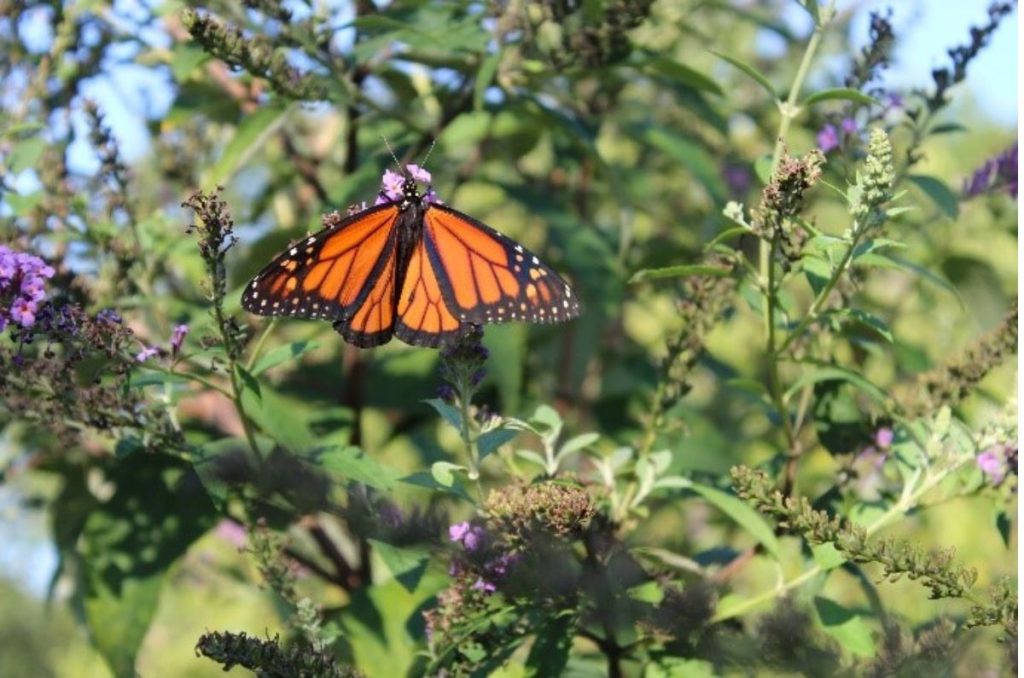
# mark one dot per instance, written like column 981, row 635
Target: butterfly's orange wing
column 344, row 274
column 464, row 271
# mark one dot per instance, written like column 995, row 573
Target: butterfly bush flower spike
column 22, row 287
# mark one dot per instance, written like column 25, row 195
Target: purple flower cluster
column 831, row 137
column 22, row 286
column 177, row 339
column 393, row 183
column 472, row 537
column 474, row 540
column 998, row 173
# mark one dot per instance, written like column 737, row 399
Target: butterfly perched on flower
column 410, row 267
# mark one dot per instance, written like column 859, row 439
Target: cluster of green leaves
column 750, row 303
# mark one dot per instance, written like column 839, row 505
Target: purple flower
column 177, row 338
column 147, row 353
column 484, row 586
column 22, row 286
column 884, row 437
column 991, row 464
column 391, row 185
column 109, row 315
column 232, row 532
column 850, row 126
column 738, row 178
column 23, row 312
column 998, row 173
column 470, row 536
column 458, row 531
column 432, row 198
column 893, row 100
column 419, row 174
column 828, row 138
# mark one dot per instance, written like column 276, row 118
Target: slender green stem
column 259, row 344
column 821, row 298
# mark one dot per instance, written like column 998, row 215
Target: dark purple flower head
column 995, row 174
column 850, row 126
column 738, row 178
column 828, row 138
column 109, row 315
column 484, row 586
column 177, row 338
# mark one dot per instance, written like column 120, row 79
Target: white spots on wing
column 311, row 240
column 293, row 251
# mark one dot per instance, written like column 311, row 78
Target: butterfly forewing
column 487, row 277
column 339, row 274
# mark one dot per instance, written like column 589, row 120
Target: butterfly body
column 409, row 267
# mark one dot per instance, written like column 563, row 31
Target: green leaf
column 939, row 193
column 1003, row 525
column 284, row 419
column 834, row 372
column 889, row 261
column 577, row 443
column 746, row 517
column 677, row 667
column 862, row 317
column 484, row 78
column 550, row 651
column 158, row 509
column 817, row 270
column 648, row 592
column 763, row 168
column 443, row 472
column 186, row 59
column 492, row 440
column 678, row 272
column 405, row 565
column 826, row 556
column 851, row 630
column 749, row 70
column 447, row 412
column 426, row 480
column 283, row 354
column 25, row 154
column 547, row 417
column 354, row 464
column 508, row 341
column 840, row 94
column 812, row 8
column 693, row 157
column 947, row 128
column 683, row 74
column 254, row 130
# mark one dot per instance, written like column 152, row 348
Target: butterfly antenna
column 429, row 151
column 392, row 152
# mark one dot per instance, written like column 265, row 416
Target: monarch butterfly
column 410, row 267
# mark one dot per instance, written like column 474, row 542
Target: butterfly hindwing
column 344, row 274
column 487, row 277
column 424, row 316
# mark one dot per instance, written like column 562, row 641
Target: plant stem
column 789, row 110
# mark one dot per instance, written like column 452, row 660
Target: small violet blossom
column 470, row 536
column 393, row 184
column 178, row 338
column 883, row 438
column 996, row 174
column 995, row 461
column 147, row 353
column 828, row 138
column 22, row 286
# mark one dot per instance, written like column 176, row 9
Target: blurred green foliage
column 781, row 275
